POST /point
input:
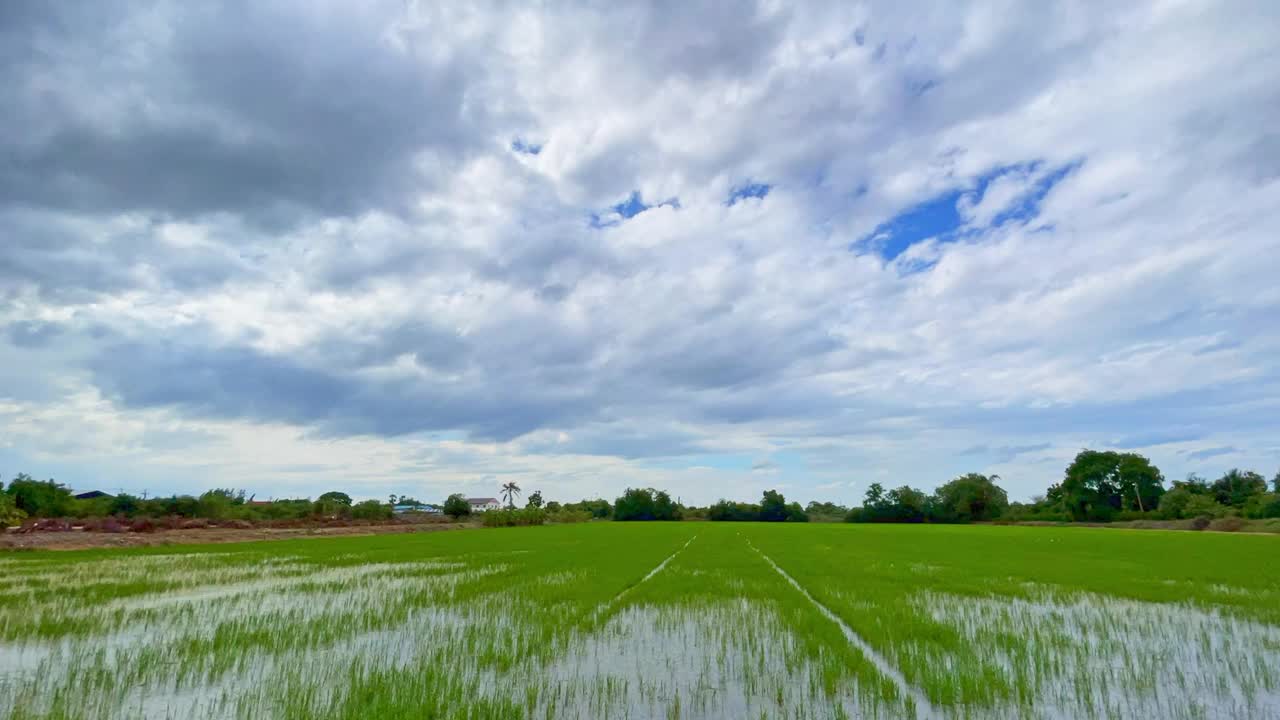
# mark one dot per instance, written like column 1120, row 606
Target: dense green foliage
column 773, row 507
column 969, row 498
column 9, row 512
column 645, row 504
column 370, row 510
column 40, row 498
column 26, row 497
column 597, row 508
column 825, row 511
column 1098, row 485
column 336, row 497
column 513, row 518
column 456, row 506
column 1236, row 488
column 904, row 504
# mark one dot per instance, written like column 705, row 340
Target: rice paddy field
column 653, row 620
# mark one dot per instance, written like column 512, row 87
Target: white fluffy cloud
column 408, row 249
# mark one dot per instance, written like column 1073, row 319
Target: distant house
column 483, row 504
column 93, row 495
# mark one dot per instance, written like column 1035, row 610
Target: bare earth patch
column 81, row 540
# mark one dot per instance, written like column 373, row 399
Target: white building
column 483, row 504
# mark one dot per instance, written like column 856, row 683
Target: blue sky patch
column 523, row 147
column 749, row 190
column 940, row 217
column 628, row 209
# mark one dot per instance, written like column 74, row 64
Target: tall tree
column 535, row 499
column 773, row 506
column 39, row 498
column 663, row 507
column 510, row 491
column 969, row 498
column 635, row 504
column 1098, row 484
column 874, row 496
column 1237, row 486
column 336, row 497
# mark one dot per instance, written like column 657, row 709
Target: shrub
column 1204, row 506
column 45, row 525
column 328, row 508
column 456, row 506
column 93, row 508
column 10, row 514
column 1201, row 522
column 598, row 508
column 175, row 522
column 105, row 525
column 512, row 518
column 1266, row 505
column 729, row 511
column 825, row 511
column 568, row 516
column 142, row 525
column 219, row 503
column 1231, row 523
column 371, row 510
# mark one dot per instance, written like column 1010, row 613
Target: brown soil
column 81, row 540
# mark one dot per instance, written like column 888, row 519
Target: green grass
column 675, row 620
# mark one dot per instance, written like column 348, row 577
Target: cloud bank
column 431, row 247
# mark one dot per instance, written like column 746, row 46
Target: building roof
column 92, row 494
column 482, row 501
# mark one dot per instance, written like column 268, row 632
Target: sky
column 716, row 248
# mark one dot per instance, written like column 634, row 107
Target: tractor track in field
column 656, row 569
column 924, row 708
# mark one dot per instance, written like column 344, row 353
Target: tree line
column 26, row 497
column 1098, row 486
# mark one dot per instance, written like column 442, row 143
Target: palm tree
column 509, row 491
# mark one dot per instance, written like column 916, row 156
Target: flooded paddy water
column 680, row 620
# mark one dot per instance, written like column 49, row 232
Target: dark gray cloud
column 32, row 334
column 72, row 259
column 1211, row 452
column 265, row 110
column 242, row 383
column 1005, row 452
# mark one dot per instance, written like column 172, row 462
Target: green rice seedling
column 625, row 620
